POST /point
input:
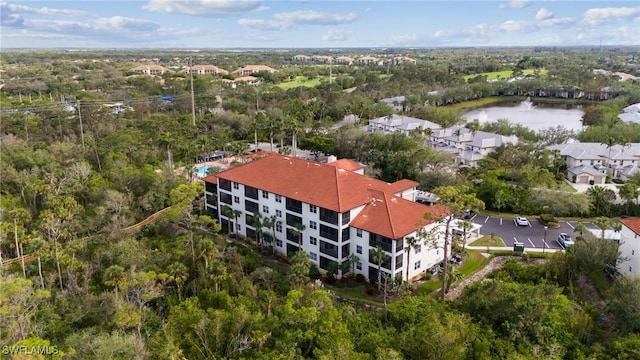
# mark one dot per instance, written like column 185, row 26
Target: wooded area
column 75, row 174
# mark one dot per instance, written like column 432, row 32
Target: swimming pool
column 202, row 169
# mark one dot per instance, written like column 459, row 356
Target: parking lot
column 533, row 236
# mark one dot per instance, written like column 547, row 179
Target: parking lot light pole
column 544, row 241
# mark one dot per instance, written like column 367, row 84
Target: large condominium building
column 630, row 247
column 331, row 209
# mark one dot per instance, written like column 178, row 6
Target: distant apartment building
column 150, row 70
column 301, row 58
column 593, row 162
column 206, row 70
column 331, row 211
column 345, row 60
column 466, row 145
column 399, row 60
column 252, row 69
column 629, row 247
column 400, row 123
column 368, row 60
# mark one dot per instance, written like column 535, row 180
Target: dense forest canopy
column 78, row 174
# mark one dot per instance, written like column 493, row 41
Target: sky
column 221, row 24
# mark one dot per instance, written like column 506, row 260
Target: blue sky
column 315, row 23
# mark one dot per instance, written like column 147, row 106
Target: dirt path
column 495, row 264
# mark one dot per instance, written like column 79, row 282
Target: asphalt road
column 533, row 236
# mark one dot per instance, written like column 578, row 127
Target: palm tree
column 601, row 198
column 581, row 229
column 114, row 276
column 629, row 192
column 299, row 229
column 353, row 260
column 228, row 212
column 235, row 213
column 466, row 226
column 602, row 223
column 379, row 256
column 258, row 224
column 413, row 243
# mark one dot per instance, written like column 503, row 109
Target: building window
column 359, row 265
column 265, row 194
column 265, row 209
column 313, row 241
column 418, row 249
column 238, row 227
column 279, row 213
column 629, row 268
column 313, row 256
column 633, row 252
column 313, row 225
column 313, row 209
column 278, row 243
column 278, row 198
column 236, row 199
column 279, row 226
column 359, row 249
column 236, row 186
column 359, row 232
column 416, row 266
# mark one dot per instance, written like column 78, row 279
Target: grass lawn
column 504, row 74
column 355, row 293
column 600, row 281
column 301, row 81
column 487, row 241
column 472, row 263
column 472, row 104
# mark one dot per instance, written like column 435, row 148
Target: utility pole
column 81, row 128
column 193, row 102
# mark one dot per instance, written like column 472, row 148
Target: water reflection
column 534, row 116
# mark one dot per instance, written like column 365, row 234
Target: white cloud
column 6, row 8
column 261, row 24
column 336, row 35
column 212, row 8
column 543, row 14
column 625, row 35
column 310, row 17
column 516, row 4
column 524, row 26
column 597, row 16
column 477, row 33
column 517, row 26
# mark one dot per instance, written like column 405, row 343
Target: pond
column 532, row 115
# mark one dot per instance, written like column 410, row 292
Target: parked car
column 612, row 271
column 434, row 269
column 455, row 259
column 565, row 240
column 468, row 214
column 521, row 221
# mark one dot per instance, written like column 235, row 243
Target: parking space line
column 485, row 220
column 571, row 226
column 546, row 246
column 531, row 242
column 500, row 221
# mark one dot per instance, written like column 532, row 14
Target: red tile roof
column 310, row 182
column 395, row 217
column 632, row 223
column 347, row 164
column 212, row 179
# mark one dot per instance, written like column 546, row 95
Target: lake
column 534, row 116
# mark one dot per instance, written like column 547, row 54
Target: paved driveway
column 533, row 236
